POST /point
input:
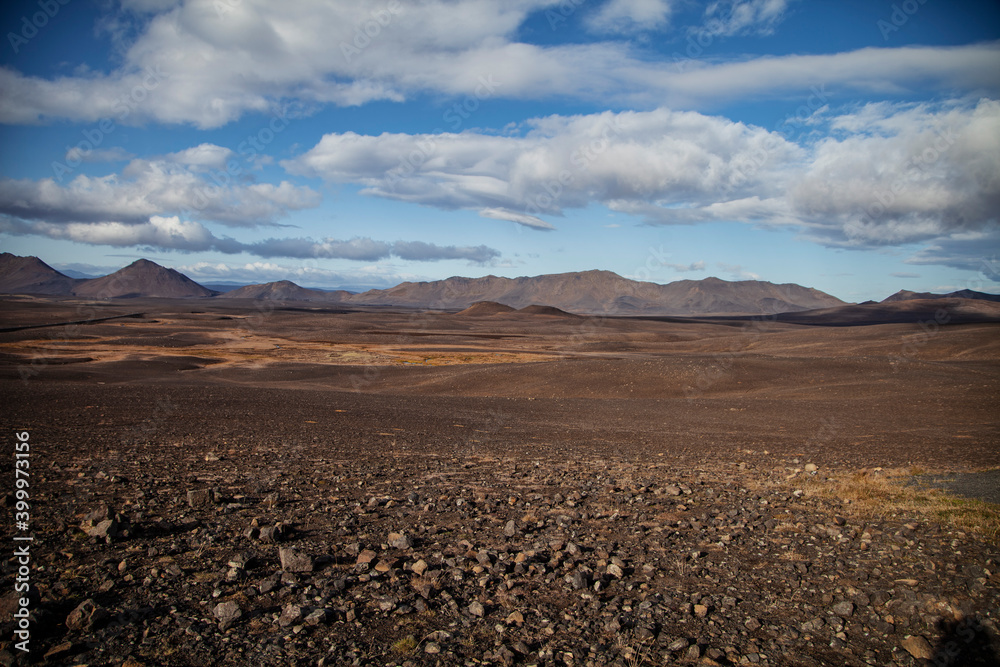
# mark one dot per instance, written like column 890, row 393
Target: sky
column 852, row 146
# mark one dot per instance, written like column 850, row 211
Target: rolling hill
column 604, row 293
column 283, row 290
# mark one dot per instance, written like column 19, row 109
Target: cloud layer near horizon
column 881, row 174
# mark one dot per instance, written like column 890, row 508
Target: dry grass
column 879, row 493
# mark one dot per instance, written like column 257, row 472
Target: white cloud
column 172, row 233
column 306, row 275
column 188, row 181
column 625, row 16
column 903, row 174
column 725, row 18
column 669, row 161
column 203, row 157
column 884, row 174
column 191, row 63
column 513, row 216
column 737, row 272
column 686, row 268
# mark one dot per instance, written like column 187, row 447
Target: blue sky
column 851, row 146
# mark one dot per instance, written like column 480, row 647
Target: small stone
column 700, row 610
column 578, row 579
column 293, row 561
column 477, row 609
column 811, row 467
column 615, row 570
column 844, row 609
column 515, row 618
column 199, row 497
column 672, row 490
column 693, row 653
column 316, row 617
column 678, row 645
column 400, row 541
column 510, row 528
column 752, row 624
column 432, row 648
column 419, row 567
column 918, row 647
column 290, row 615
column 227, row 613
column 87, row 616
column 366, row 557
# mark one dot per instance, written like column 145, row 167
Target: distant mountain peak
column 142, row 278
column 30, row 275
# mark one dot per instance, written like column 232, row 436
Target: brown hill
column 907, row 295
column 142, row 278
column 604, row 292
column 30, row 275
column 545, row 310
column 930, row 312
column 282, row 290
column 485, row 309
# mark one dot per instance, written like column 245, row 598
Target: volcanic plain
column 238, row 482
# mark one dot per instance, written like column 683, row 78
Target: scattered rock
column 400, row 541
column 293, row 561
column 87, row 616
column 918, row 647
column 227, row 613
column 200, row 497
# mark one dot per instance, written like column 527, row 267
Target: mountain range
column 585, row 292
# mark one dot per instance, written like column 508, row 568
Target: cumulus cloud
column 883, row 174
column 193, row 180
column 903, row 174
column 209, row 63
column 665, row 166
column 661, row 158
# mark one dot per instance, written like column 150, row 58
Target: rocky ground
column 424, row 560
column 654, row 497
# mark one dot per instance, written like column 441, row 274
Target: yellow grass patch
column 878, row 493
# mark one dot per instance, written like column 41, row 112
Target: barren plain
column 247, row 483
